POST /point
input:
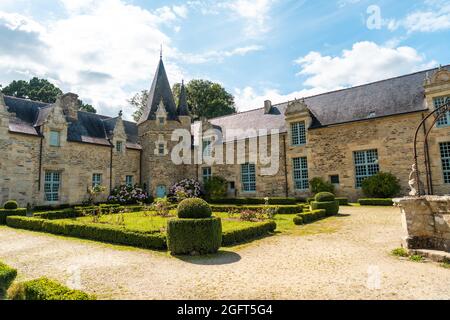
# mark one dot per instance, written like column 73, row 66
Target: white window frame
column 52, row 185
column 444, row 148
column 119, row 146
column 207, row 147
column 206, row 173
column 55, row 135
column 248, row 177
column 97, row 179
column 300, row 173
column 127, row 180
column 298, row 133
column 438, row 102
column 366, row 164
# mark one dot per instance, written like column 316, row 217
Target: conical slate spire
column 160, row 91
column 183, row 108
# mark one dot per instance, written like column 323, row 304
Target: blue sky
column 106, row 50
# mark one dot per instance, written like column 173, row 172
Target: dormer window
column 445, row 119
column 119, row 146
column 161, row 149
column 298, row 133
column 54, row 138
column 207, row 147
column 161, row 114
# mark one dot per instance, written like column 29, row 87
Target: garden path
column 344, row 257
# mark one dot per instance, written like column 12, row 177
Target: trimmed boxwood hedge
column 324, row 197
column 14, row 212
column 55, row 215
column 255, row 201
column 46, row 289
column 187, row 236
column 7, row 276
column 376, row 202
column 98, row 232
column 285, row 209
column 309, row 216
column 10, row 205
column 194, row 208
column 342, row 201
column 259, row 229
column 331, row 207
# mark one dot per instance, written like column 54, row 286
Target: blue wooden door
column 161, row 191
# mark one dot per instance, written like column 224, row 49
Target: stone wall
column 158, row 170
column 426, row 222
column 330, row 150
column 266, row 185
column 77, row 162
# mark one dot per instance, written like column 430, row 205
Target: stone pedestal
column 426, row 221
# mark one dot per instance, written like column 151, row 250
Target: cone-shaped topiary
column 194, row 208
column 324, row 196
column 10, row 205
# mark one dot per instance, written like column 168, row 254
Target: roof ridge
column 339, row 90
column 26, row 99
column 371, row 83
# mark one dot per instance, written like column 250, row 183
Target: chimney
column 267, row 106
column 69, row 103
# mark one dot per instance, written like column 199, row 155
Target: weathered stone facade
column 113, row 148
column 426, row 222
column 26, row 158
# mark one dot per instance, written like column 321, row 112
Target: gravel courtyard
column 344, row 257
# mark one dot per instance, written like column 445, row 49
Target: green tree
column 86, row 107
column 39, row 90
column 139, row 102
column 206, row 99
column 36, row 89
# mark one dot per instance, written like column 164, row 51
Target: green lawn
column 139, row 221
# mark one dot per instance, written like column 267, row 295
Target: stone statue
column 413, row 184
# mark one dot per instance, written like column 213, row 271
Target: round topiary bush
column 331, row 207
column 298, row 220
column 10, row 205
column 194, row 236
column 324, row 196
column 194, row 208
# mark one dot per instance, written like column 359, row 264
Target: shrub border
column 376, row 202
column 233, row 237
column 4, row 213
column 7, row 276
column 102, row 233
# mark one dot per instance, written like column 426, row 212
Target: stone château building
column 51, row 153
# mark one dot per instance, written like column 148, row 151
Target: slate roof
column 388, row 97
column 90, row 127
column 394, row 96
column 160, row 90
column 183, row 108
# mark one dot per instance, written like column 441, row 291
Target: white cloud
column 365, row 62
column 102, row 54
column 436, row 17
column 218, row 56
column 248, row 98
column 255, row 14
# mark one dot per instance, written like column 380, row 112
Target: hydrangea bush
column 186, row 188
column 127, row 194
